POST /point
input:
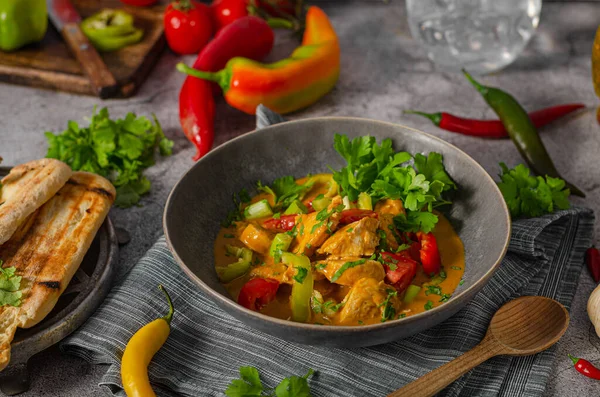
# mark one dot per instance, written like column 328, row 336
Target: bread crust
column 48, row 248
column 26, row 188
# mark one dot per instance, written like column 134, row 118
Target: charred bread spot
column 102, row 192
column 50, row 284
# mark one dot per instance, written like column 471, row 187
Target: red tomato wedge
column 257, row 293
column 404, row 269
column 430, row 254
column 285, row 223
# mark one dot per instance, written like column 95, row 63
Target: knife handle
column 101, row 79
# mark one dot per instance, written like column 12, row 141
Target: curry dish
column 325, row 258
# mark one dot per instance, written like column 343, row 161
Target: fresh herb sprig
column 9, row 286
column 529, row 196
column 383, row 173
column 285, row 190
column 250, row 385
column 119, row 150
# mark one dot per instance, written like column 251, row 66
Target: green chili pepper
column 22, row 22
column 521, row 130
column 110, row 30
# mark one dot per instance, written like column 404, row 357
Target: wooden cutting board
column 49, row 63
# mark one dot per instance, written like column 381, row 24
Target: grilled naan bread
column 48, row 248
column 26, row 188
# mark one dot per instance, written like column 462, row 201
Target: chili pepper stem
column 282, row 23
column 436, row 118
column 218, row 77
column 169, row 315
column 574, row 359
column 479, row 87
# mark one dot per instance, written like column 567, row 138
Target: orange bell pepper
column 287, row 85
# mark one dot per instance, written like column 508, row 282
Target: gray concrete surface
column 383, row 72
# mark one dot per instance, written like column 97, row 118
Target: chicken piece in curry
column 327, row 260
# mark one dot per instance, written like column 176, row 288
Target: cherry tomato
column 353, row 215
column 188, row 26
column 139, row 3
column 226, row 11
column 430, row 255
column 285, row 223
column 400, row 270
column 257, row 293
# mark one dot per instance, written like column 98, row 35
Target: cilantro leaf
column 248, row 386
column 530, row 196
column 285, row 190
column 415, row 221
column 119, row 150
column 301, row 273
column 294, row 386
column 432, row 167
column 9, row 286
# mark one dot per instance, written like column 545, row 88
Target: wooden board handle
column 101, row 79
column 436, row 380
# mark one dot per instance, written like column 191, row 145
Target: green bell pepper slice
column 303, row 286
column 110, row 30
column 236, row 269
column 22, row 22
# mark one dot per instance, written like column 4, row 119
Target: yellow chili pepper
column 140, row 349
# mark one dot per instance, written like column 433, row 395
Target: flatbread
column 26, row 188
column 48, row 248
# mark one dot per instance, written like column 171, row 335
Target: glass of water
column 479, row 35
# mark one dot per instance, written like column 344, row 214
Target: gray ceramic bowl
column 202, row 198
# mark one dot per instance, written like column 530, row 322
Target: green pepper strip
column 110, row 30
column 521, row 130
column 236, row 269
column 301, row 291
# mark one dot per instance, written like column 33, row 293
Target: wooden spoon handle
column 439, row 378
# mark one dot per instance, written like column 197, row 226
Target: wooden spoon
column 521, row 327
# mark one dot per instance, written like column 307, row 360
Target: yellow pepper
column 139, row 351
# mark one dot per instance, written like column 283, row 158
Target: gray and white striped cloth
column 207, row 346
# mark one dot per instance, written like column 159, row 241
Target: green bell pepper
column 110, row 30
column 302, row 288
column 22, row 22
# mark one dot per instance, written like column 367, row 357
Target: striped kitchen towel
column 207, row 346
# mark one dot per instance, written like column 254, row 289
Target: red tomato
column 226, row 11
column 430, row 255
column 353, row 215
column 404, row 271
column 188, row 26
column 285, row 223
column 139, row 3
column 257, row 293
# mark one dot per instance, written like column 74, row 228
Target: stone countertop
column 383, row 72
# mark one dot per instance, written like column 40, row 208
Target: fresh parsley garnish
column 9, row 286
column 388, row 312
column 236, row 214
column 250, row 385
column 429, row 305
column 301, row 273
column 320, row 266
column 345, row 267
column 285, row 190
column 433, row 289
column 455, row 267
column 381, row 172
column 529, row 196
column 328, row 308
column 401, row 315
column 119, row 150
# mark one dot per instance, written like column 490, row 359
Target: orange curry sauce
column 450, row 246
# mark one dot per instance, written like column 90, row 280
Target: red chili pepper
column 494, row 128
column 355, row 214
column 585, row 367
column 188, row 26
column 592, row 258
column 430, row 255
column 257, row 293
column 249, row 37
column 404, row 269
column 283, row 223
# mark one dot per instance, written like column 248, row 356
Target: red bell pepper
column 355, row 214
column 430, row 255
column 400, row 270
column 283, row 223
column 592, row 258
column 257, row 293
